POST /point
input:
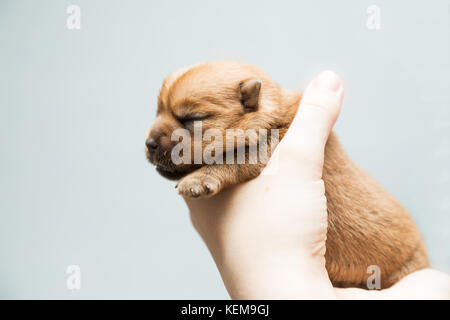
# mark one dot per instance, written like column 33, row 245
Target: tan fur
column 366, row 225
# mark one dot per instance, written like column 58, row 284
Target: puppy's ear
column 249, row 91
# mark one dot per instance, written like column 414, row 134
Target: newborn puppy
column 366, row 225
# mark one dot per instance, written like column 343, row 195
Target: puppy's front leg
column 210, row 179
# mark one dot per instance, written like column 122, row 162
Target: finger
column 422, row 284
column 316, row 115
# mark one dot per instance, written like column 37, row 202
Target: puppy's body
column 366, row 225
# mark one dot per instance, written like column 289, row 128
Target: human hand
column 253, row 228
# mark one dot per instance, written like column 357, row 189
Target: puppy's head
column 222, row 95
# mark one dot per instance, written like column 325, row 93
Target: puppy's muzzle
column 158, row 153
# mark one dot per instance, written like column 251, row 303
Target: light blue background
column 75, row 107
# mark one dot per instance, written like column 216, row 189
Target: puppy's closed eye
column 188, row 120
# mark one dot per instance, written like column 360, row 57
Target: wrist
column 276, row 275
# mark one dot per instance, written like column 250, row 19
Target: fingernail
column 328, row 80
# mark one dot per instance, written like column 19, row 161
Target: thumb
column 304, row 143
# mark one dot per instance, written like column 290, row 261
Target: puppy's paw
column 198, row 185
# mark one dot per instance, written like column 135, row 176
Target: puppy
column 366, row 225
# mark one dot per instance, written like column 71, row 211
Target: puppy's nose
column 151, row 145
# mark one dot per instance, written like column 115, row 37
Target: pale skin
column 267, row 236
